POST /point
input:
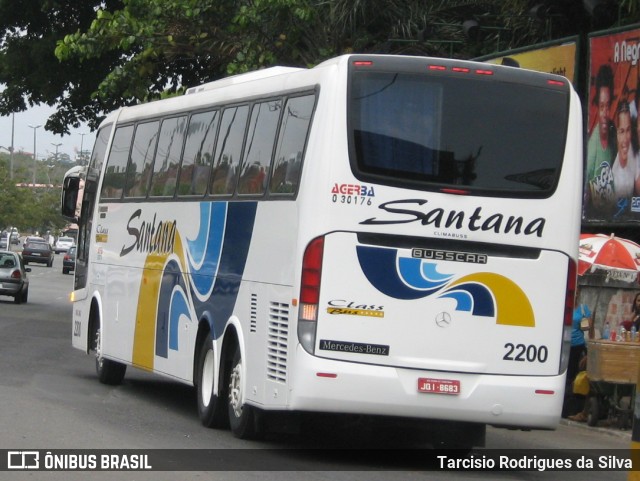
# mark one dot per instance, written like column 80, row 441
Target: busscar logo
column 23, row 460
column 438, row 255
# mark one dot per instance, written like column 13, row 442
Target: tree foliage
column 90, row 57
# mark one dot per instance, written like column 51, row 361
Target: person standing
column 577, row 352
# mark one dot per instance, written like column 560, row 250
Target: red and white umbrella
column 600, row 251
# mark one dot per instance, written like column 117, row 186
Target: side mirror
column 69, row 205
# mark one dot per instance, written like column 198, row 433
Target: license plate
column 439, row 386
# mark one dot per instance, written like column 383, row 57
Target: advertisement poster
column 612, row 170
column 558, row 58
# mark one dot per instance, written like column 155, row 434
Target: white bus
column 378, row 235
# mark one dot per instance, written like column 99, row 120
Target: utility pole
column 35, row 157
column 56, row 154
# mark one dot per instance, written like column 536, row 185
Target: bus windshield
column 421, row 130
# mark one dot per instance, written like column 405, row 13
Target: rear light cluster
column 16, row 274
column 569, row 306
column 570, row 299
column 310, row 293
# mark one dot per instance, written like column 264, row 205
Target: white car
column 63, row 244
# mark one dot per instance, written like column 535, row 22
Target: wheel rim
column 206, row 378
column 235, row 389
column 99, row 349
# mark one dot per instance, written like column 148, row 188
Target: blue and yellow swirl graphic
column 199, row 279
column 483, row 294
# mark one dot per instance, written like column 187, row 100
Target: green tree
column 110, row 53
column 30, row 71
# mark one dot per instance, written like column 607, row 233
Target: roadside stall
column 608, row 277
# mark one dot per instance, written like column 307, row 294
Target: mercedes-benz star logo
column 443, row 319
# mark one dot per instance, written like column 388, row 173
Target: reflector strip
column 484, row 72
column 544, row 391
column 437, row 67
column 327, row 374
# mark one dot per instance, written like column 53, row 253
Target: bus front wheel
column 211, row 408
column 245, row 420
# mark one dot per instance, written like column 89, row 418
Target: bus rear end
column 443, row 287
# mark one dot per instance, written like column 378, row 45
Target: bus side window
column 139, row 168
column 229, row 150
column 291, row 144
column 198, row 153
column 115, row 170
column 165, row 166
column 259, row 150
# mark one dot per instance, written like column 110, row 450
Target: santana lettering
column 150, row 237
column 439, row 217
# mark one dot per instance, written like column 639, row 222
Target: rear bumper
column 10, row 288
column 515, row 401
column 37, row 259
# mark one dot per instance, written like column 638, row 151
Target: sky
column 23, row 134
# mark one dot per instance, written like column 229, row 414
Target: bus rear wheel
column 245, row 420
column 211, row 407
column 109, row 372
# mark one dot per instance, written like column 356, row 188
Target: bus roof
column 242, row 78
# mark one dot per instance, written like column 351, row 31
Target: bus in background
column 378, row 235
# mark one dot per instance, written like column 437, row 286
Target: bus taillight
column 570, row 298
column 310, row 293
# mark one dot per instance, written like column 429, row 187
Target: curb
column 624, row 434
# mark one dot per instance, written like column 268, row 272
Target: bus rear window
column 424, row 132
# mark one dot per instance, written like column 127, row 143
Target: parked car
column 63, row 244
column 69, row 260
column 13, row 277
column 15, row 236
column 4, row 242
column 37, row 251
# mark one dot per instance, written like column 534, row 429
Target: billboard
column 612, row 167
column 558, row 57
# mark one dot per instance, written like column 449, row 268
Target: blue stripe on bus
column 238, row 233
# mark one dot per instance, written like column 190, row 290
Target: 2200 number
column 524, row 353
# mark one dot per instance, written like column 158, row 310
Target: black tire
column 109, row 372
column 65, row 271
column 24, row 295
column 593, row 411
column 245, row 421
column 212, row 408
column 17, row 299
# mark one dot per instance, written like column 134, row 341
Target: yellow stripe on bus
column 144, row 340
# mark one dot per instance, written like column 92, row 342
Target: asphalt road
column 50, row 399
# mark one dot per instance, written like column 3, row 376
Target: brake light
column 311, row 272
column 310, row 293
column 363, row 63
column 16, row 275
column 570, row 300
